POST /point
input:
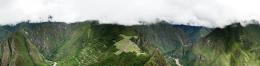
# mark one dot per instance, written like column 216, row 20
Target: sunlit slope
column 94, row 44
column 126, row 45
column 18, row 50
column 86, row 43
column 89, row 43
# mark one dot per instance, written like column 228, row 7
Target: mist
column 210, row 13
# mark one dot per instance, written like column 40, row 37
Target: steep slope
column 233, row 45
column 94, row 44
column 173, row 41
column 5, row 30
column 85, row 43
column 18, row 50
column 47, row 36
column 89, row 43
column 194, row 32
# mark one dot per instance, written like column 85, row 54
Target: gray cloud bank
column 216, row 13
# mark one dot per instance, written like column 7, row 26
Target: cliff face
column 233, row 45
column 161, row 44
column 18, row 50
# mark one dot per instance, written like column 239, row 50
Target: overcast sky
column 198, row 12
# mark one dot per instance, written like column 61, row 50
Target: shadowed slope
column 230, row 46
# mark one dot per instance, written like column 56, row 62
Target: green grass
column 126, row 45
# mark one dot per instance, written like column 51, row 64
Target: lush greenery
column 89, row 43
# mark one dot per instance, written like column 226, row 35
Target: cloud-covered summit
column 197, row 12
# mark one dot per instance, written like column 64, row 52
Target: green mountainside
column 233, row 45
column 89, row 43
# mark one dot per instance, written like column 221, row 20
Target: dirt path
column 177, row 62
column 55, row 63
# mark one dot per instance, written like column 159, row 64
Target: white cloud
column 200, row 12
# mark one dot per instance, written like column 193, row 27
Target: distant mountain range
column 89, row 43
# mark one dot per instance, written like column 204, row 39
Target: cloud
column 212, row 13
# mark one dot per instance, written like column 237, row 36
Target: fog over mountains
column 211, row 13
column 129, row 33
column 90, row 43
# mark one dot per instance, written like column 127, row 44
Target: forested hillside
column 89, row 43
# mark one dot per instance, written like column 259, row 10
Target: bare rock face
column 17, row 50
column 6, row 53
column 64, row 43
column 161, row 44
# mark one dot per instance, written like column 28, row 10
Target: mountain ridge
column 89, row 43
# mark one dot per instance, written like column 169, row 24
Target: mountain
column 89, row 43
column 173, row 41
column 18, row 50
column 233, row 45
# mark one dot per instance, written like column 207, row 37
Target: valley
column 90, row 43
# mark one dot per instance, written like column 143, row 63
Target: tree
column 50, row 17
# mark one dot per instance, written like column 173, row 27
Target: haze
column 212, row 13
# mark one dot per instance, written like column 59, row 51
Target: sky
column 212, row 13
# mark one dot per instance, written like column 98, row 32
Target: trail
column 177, row 62
column 55, row 63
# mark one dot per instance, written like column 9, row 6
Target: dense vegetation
column 160, row 44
